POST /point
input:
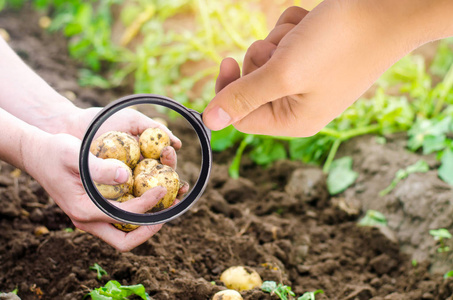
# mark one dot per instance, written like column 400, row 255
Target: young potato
column 124, row 226
column 152, row 141
column 118, row 145
column 118, row 190
column 161, row 175
column 227, row 295
column 146, row 165
column 241, row 278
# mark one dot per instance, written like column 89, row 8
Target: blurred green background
column 174, row 48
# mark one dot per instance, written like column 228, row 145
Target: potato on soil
column 227, row 295
column 118, row 145
column 146, row 165
column 124, row 226
column 118, row 190
column 161, row 175
column 241, row 278
column 152, row 141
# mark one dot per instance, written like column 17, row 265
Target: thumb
column 244, row 95
column 108, row 171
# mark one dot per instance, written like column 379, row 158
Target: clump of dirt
column 280, row 221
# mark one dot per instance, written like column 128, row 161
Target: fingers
column 276, row 35
column 292, row 15
column 184, row 188
column 122, row 241
column 144, row 203
column 257, row 55
column 168, row 157
column 246, row 94
column 107, row 171
column 229, row 72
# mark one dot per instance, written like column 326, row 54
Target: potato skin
column 161, row 175
column 118, row 145
column 227, row 295
column 152, row 141
column 241, row 278
column 146, row 165
column 124, row 226
column 118, row 190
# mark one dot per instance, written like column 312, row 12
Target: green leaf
column 269, row 286
column 448, row 274
column 310, row 295
column 445, row 171
column 341, row 175
column 267, row 151
column 99, row 270
column 440, row 233
column 225, row 138
column 113, row 290
column 2, row 4
column 433, row 143
column 373, row 218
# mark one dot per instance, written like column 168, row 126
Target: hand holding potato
column 55, row 166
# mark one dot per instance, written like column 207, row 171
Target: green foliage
column 113, row 290
column 310, row 295
column 99, row 270
column 420, row 166
column 448, row 274
column 446, row 168
column 441, row 235
column 280, row 290
column 373, row 218
column 341, row 175
column 284, row 291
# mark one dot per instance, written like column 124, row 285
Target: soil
column 279, row 221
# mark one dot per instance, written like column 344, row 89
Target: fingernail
column 121, row 175
column 218, row 118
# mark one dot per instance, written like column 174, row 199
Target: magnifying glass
column 106, row 138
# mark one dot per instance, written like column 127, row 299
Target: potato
column 227, row 295
column 124, row 226
column 241, row 278
column 152, row 141
column 118, row 190
column 146, row 165
column 118, row 145
column 161, row 175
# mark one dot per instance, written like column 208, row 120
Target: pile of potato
column 142, row 157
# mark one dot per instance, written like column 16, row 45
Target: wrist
column 33, row 149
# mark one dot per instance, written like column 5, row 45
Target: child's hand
column 313, row 65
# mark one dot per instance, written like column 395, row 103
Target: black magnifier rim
column 193, row 117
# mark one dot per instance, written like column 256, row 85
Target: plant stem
column 331, row 156
column 448, row 84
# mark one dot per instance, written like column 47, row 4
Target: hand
column 313, row 65
column 75, row 121
column 54, row 164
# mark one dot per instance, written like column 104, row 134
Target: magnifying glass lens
column 143, row 160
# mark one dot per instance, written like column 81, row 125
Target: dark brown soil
column 279, row 221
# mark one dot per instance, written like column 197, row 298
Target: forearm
column 410, row 23
column 28, row 97
column 16, row 140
